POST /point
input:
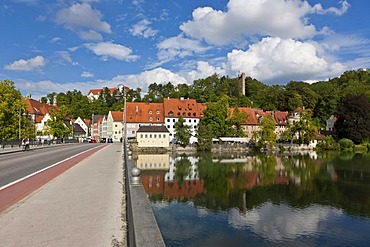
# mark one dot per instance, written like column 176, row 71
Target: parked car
column 92, row 141
column 110, row 140
column 103, row 140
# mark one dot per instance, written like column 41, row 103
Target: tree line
column 322, row 99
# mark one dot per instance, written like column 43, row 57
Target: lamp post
column 19, row 124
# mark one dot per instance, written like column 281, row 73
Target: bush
column 328, row 143
column 346, row 144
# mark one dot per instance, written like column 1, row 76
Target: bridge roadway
column 77, row 202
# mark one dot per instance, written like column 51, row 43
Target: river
column 235, row 200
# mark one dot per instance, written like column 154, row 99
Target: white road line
column 39, row 171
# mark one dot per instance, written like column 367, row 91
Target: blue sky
column 56, row 46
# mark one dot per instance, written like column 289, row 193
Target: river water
column 261, row 200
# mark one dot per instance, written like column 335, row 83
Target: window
column 115, row 125
column 150, row 135
column 150, row 111
column 159, row 136
column 168, row 120
column 150, row 119
column 146, row 135
column 158, row 119
column 168, row 126
column 157, row 112
column 173, row 120
column 141, row 135
column 155, row 136
column 164, row 135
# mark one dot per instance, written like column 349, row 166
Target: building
column 142, row 114
column 153, row 137
column 330, row 123
column 85, row 125
column 94, row 94
column 114, row 125
column 188, row 109
column 39, row 113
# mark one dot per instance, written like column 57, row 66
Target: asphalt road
column 14, row 166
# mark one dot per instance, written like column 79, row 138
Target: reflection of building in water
column 158, row 179
column 153, row 161
column 193, row 173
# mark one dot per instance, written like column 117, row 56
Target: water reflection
column 261, row 197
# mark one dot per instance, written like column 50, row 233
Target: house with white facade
column 153, row 137
column 115, row 125
column 188, row 109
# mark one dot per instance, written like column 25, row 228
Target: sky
column 64, row 45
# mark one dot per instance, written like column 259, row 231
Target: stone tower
column 242, row 82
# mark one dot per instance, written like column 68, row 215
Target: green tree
column 265, row 137
column 56, row 125
column 353, row 118
column 303, row 130
column 183, row 132
column 12, row 104
column 235, row 122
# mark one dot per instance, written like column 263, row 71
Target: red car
column 92, row 141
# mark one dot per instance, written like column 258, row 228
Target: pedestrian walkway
column 82, row 207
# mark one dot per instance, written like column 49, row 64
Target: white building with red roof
column 188, row 109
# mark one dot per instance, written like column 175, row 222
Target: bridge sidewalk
column 82, row 207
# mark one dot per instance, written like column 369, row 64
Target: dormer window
column 170, row 113
column 158, row 112
column 150, row 119
column 150, row 111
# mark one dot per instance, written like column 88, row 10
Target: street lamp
column 122, row 89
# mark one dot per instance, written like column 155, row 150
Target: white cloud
column 282, row 18
column 108, row 49
column 86, row 74
column 204, row 69
column 84, row 20
column 278, row 222
column 179, row 46
column 319, row 9
column 143, row 29
column 276, row 60
column 144, row 79
column 90, row 35
column 27, row 65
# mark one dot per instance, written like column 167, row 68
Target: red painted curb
column 16, row 192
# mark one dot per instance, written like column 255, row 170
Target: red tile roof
column 187, row 108
column 253, row 115
column 35, row 107
column 98, row 91
column 142, row 112
column 280, row 117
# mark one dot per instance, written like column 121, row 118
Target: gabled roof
column 281, row 117
column 253, row 115
column 117, row 116
column 142, row 112
column 35, row 107
column 153, row 128
column 187, row 108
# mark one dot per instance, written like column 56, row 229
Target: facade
column 115, row 125
column 153, row 136
column 84, row 125
column 39, row 113
column 142, row 114
column 189, row 109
